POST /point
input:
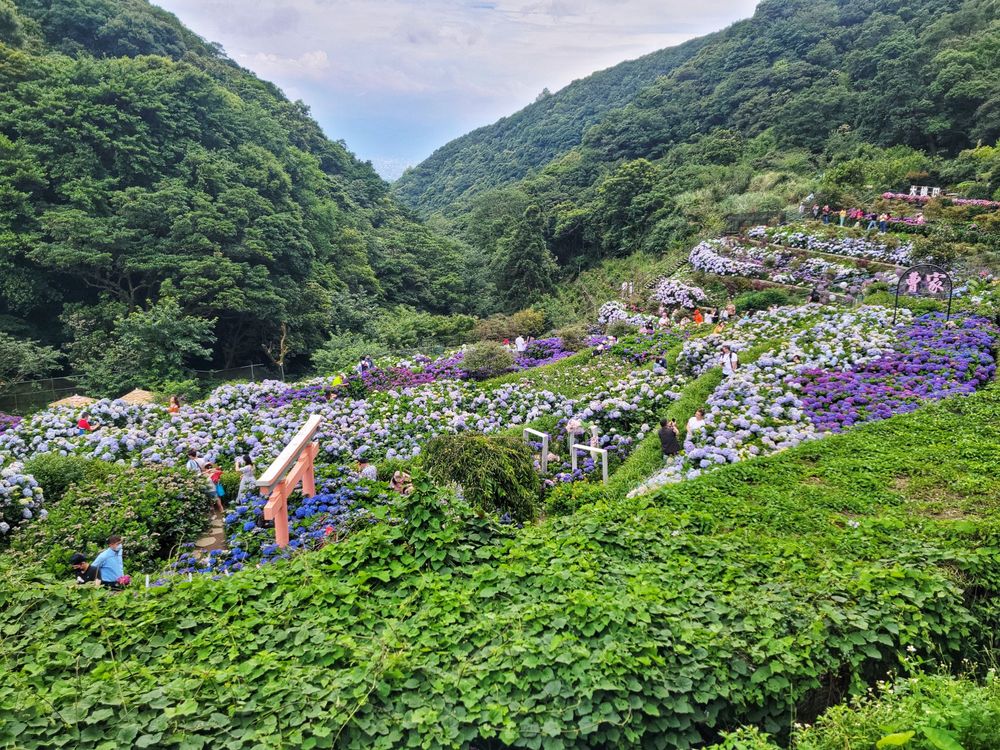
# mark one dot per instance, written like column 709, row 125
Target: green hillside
column 920, row 74
column 512, row 147
column 834, row 99
column 146, row 177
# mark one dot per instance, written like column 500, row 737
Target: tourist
column 367, row 470
column 174, row 406
column 83, row 425
column 109, row 566
column 730, row 361
column 669, row 443
column 730, row 310
column 214, row 476
column 843, row 216
column 401, row 483
column 248, row 482
column 664, row 320
column 815, row 211
column 574, row 428
column 826, row 213
column 520, row 345
column 695, row 424
column 85, row 572
column 814, row 295
column 710, row 315
column 883, row 222
column 660, row 365
column 329, row 394
column 595, row 437
column 802, row 208
column 698, row 318
column 194, row 463
column 720, row 327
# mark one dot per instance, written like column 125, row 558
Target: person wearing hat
column 85, row 572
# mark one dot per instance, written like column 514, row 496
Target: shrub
column 574, row 338
column 487, row 359
column 620, row 328
column 761, row 300
column 55, row 473
column 153, row 510
column 342, row 351
column 568, row 497
column 922, row 713
column 186, row 390
column 527, row 323
column 497, row 474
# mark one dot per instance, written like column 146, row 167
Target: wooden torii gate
column 293, row 465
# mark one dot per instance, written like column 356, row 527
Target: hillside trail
column 214, row 538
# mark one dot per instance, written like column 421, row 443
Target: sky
column 396, row 79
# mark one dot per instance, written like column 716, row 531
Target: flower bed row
column 847, row 369
column 726, row 258
column 956, row 201
column 851, row 247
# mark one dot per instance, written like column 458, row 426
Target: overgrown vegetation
column 154, row 510
column 495, row 474
column 757, row 594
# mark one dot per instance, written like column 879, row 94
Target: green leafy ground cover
column 757, row 594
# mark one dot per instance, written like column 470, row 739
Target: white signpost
column 595, row 452
column 545, row 446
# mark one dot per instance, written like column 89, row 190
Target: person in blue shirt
column 108, row 564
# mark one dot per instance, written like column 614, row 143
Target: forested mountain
column 146, row 178
column 921, row 73
column 510, row 148
column 844, row 97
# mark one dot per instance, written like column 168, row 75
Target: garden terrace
column 752, row 595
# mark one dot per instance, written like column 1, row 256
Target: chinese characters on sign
column 932, row 283
column 924, row 280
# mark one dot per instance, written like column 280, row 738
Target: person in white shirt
column 729, row 360
column 695, row 424
column 519, row 345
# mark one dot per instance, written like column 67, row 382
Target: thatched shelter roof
column 75, row 401
column 138, row 396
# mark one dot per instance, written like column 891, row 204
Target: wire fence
column 30, row 395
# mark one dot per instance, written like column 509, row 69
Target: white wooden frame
column 595, row 452
column 545, row 446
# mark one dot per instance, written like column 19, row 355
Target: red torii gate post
column 293, row 465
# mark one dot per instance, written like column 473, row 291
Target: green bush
column 527, row 323
column 928, row 712
column 487, row 359
column 761, row 300
column 342, row 351
column 154, row 510
column 620, row 329
column 186, row 390
column 574, row 338
column 568, row 497
column 55, row 472
column 917, row 305
column 497, row 474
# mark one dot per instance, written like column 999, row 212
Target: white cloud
column 447, row 65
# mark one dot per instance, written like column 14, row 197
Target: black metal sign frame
column 919, row 269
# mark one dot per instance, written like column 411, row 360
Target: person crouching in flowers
column 401, row 483
column 367, row 470
column 109, row 566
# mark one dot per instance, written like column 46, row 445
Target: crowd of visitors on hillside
column 858, row 217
